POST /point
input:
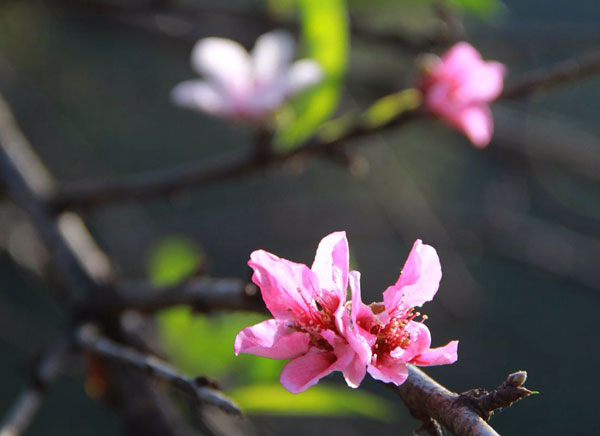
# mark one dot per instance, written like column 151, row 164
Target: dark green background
column 92, row 95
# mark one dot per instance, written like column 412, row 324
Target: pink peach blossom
column 308, row 307
column 241, row 85
column 458, row 87
column 388, row 336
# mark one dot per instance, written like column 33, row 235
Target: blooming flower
column 457, row 88
column 241, row 85
column 308, row 307
column 387, row 335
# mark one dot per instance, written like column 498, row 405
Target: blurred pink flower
column 241, row 85
column 387, row 335
column 308, row 307
column 457, row 88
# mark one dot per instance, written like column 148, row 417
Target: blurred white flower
column 243, row 85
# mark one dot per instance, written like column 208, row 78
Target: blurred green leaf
column 200, row 344
column 320, row 400
column 483, row 8
column 281, row 8
column 335, row 128
column 389, row 107
column 325, row 39
column 172, row 259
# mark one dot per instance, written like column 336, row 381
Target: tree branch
column 463, row 414
column 202, row 294
column 46, row 371
column 76, row 258
column 153, row 184
column 562, row 73
column 89, row 338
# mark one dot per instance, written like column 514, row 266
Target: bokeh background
column 517, row 225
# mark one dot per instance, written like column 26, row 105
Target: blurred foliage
column 200, row 344
column 482, row 8
column 381, row 112
column 325, row 36
column 172, row 259
column 320, row 400
column 385, row 109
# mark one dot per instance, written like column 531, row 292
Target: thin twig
column 462, row 414
column 153, row 184
column 65, row 240
column 46, row 371
column 159, row 183
column 562, row 73
column 22, row 177
column 89, row 338
column 202, row 294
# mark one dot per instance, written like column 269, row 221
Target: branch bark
column 94, row 193
column 562, row 73
column 202, row 294
column 46, row 371
column 462, row 414
column 25, row 179
column 89, row 338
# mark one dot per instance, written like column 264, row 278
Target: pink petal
column 355, row 372
column 438, row 100
column 419, row 280
column 286, row 287
column 305, row 371
column 225, row 63
column 420, row 340
column 302, row 75
column 331, row 268
column 485, row 82
column 393, row 372
column 272, row 339
column 360, row 339
column 271, row 56
column 438, row 356
column 457, row 61
column 200, row 95
column 264, row 101
column 477, row 123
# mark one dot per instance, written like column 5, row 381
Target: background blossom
column 243, row 85
column 458, row 87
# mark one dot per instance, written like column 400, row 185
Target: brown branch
column 463, row 414
column 76, row 257
column 89, row 338
column 21, row 176
column 46, row 371
column 509, row 392
column 202, row 294
column 562, row 73
column 159, row 183
column 154, row 184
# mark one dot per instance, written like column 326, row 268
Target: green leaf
column 196, row 343
column 281, row 8
column 172, row 259
column 389, row 107
column 325, row 39
column 320, row 400
column 483, row 8
column 202, row 344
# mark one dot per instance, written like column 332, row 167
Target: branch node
column 510, row 391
